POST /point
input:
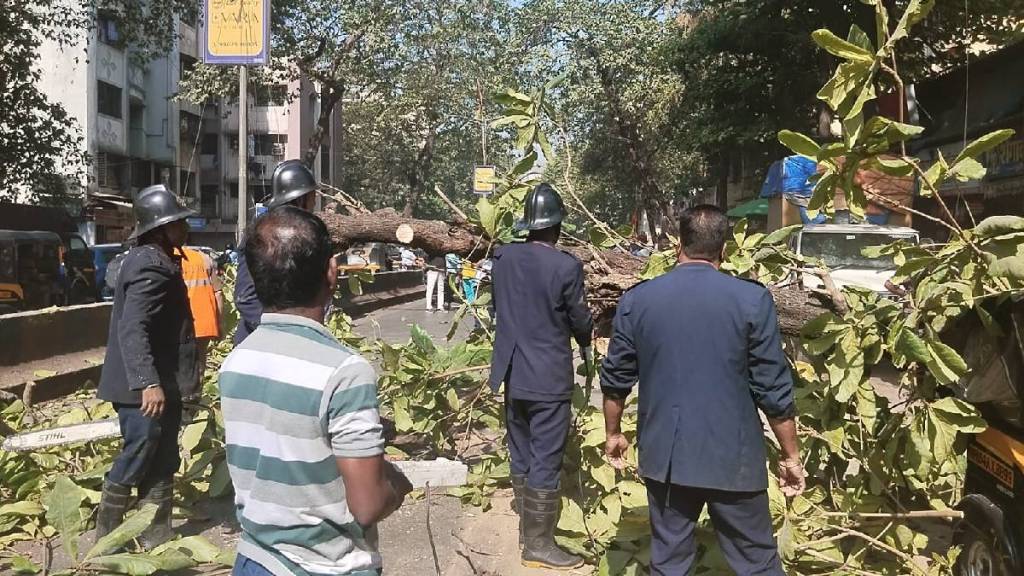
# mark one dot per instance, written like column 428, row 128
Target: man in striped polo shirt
column 304, row 443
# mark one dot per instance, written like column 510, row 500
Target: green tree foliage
column 750, row 69
column 41, row 155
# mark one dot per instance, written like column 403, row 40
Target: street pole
column 243, row 151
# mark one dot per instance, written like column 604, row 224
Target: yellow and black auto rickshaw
column 991, row 535
column 30, row 273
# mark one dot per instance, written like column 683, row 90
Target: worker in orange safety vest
column 204, row 297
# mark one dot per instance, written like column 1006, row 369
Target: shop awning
column 753, row 208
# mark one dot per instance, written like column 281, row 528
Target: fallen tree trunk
column 604, row 285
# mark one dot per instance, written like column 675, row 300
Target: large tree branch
column 607, row 277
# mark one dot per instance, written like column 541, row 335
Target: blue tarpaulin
column 789, row 176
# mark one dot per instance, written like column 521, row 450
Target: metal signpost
column 237, row 32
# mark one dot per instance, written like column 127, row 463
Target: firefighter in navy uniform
column 293, row 184
column 705, row 351
column 150, row 361
column 539, row 305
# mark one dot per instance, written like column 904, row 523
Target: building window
column 209, row 145
column 187, row 63
column 106, row 30
column 108, row 99
column 276, row 95
column 189, row 16
column 208, row 200
column 142, row 173
column 270, row 144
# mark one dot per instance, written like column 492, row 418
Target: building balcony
column 261, row 167
column 186, row 106
column 262, row 120
column 110, row 65
column 110, row 134
column 188, row 43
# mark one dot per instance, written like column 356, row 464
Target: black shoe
column 518, row 485
column 160, row 493
column 114, row 502
column 538, row 519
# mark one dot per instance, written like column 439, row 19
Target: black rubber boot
column 114, row 502
column 160, row 493
column 540, row 514
column 518, row 485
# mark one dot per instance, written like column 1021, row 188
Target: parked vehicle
column 103, row 254
column 79, row 261
column 840, row 247
column 371, row 256
column 991, row 535
column 30, row 270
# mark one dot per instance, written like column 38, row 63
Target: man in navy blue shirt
column 540, row 305
column 706, row 350
column 293, row 184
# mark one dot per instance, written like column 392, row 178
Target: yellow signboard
column 236, row 32
column 483, row 180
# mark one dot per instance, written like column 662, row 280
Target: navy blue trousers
column 742, row 522
column 149, row 450
column 246, row 567
column 536, row 439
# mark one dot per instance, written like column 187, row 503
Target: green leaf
column 781, row 235
column 945, row 363
column 893, row 166
column 520, row 120
column 967, row 169
column 355, row 286
column 63, row 512
column 130, row 564
column 545, row 147
column 422, row 340
column 799, row 143
column 24, row 508
column 524, row 166
column 199, row 549
column 220, row 480
column 126, row 532
column 488, row 215
column 984, row 144
column 634, row 494
column 600, row 237
column 571, row 519
column 605, row 476
column 192, row 435
column 935, row 174
column 998, row 225
column 912, row 346
column 839, row 47
column 22, row 565
column 858, row 37
column 845, row 86
column 960, row 415
column 915, row 12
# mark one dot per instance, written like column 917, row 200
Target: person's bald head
column 289, row 254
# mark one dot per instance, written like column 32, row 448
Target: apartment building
column 138, row 134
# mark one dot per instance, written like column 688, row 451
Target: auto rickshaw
column 30, row 270
column 991, row 535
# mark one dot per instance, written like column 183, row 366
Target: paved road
column 392, row 324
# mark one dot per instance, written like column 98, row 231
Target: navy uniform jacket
column 706, row 349
column 152, row 337
column 539, row 304
column 249, row 307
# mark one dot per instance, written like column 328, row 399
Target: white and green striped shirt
column 294, row 399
